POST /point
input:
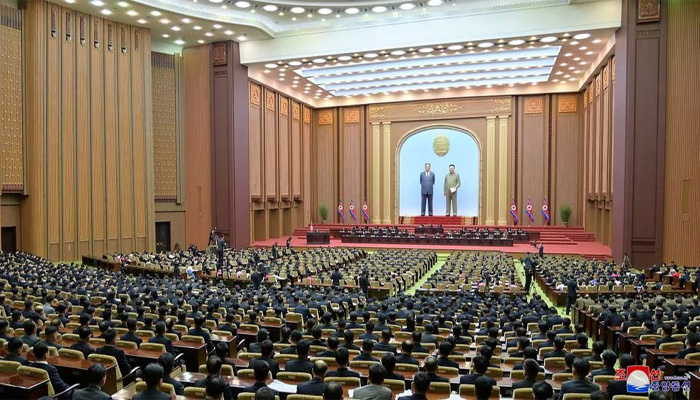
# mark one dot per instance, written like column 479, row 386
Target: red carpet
column 556, row 239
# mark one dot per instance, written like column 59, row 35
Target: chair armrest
column 70, row 389
column 129, row 375
column 240, row 344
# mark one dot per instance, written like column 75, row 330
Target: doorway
column 9, row 239
column 162, row 236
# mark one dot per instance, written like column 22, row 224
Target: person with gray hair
column 315, row 386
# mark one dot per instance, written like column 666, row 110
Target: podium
column 318, row 237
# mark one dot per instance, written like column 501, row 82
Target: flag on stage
column 365, row 211
column 528, row 209
column 352, row 210
column 545, row 210
column 340, row 211
column 514, row 210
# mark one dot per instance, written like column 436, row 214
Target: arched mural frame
column 423, row 128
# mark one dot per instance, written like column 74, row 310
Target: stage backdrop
column 429, row 145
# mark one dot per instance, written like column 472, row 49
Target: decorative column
column 376, row 162
column 386, row 169
column 502, row 169
column 490, row 169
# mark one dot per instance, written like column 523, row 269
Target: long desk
column 680, row 366
column 13, row 386
column 426, row 240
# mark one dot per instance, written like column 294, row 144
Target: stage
column 556, row 239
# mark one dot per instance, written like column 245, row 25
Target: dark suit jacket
column 117, row 353
column 179, row 387
column 395, row 376
column 56, row 381
column 383, row 346
column 131, row 337
column 685, row 352
column 525, row 383
column 437, row 378
column 299, row 366
column 364, row 357
column 471, row 378
column 165, row 342
column 554, row 353
column 83, row 347
column 151, row 395
column 577, row 386
column 254, row 388
column 344, row 373
column 271, row 362
column 313, row 387
column 201, row 332
column 603, row 371
column 446, row 362
column 406, row 359
column 616, row 387
column 289, row 350
column 427, row 182
column 91, row 392
column 414, row 397
column 16, row 358
column 203, row 383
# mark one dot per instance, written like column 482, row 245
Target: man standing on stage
column 427, row 180
column 452, row 183
column 220, row 249
column 571, row 288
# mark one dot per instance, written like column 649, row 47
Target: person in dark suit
column 445, row 349
column 542, row 390
column 153, row 376
column 609, row 359
column 14, row 351
column 333, row 391
column 667, row 331
column 541, row 250
column 167, row 361
column 336, row 277
column 302, row 363
column 332, row 347
column 364, row 282
column 529, row 354
column 342, row 358
column 83, row 345
column 479, row 368
column 558, row 351
column 369, row 332
column 315, row 386
column 431, row 366
column 216, row 388
column 40, row 351
column 406, row 354
column 160, row 338
column 416, row 336
column 389, row 363
column 428, row 336
column 419, row 387
column 96, row 378
column 214, row 364
column 579, row 384
column 109, row 349
column 131, row 336
column 482, row 387
column 427, row 181
column 571, row 288
column 618, row 387
column 384, row 344
column 294, row 340
column 531, row 369
column 50, row 337
column 261, row 371
column 367, row 347
column 198, row 331
column 613, row 319
column 691, row 342
column 266, row 349
column 29, row 338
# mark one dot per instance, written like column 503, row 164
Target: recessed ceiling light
column 352, row 10
column 164, row 21
column 242, row 38
column 434, row 3
column 569, row 54
column 319, row 60
column 597, row 41
column 175, row 28
column 583, row 48
column 577, row 58
column 573, row 42
column 165, row 35
column 563, row 64
column 398, row 53
column 155, row 13
column 294, row 63
column 270, row 7
column 216, row 1
column 142, row 21
column 426, row 50
column 370, row 55
column 97, row 3
column 229, row 32
column 197, row 27
column 582, row 36
column 200, row 41
column 70, row 1
column 209, row 34
column 407, row 6
column 216, row 26
column 180, row 42
column 186, row 20
column 132, row 13
column 297, row 10
column 271, row 65
column 516, row 42
column 242, row 4
column 485, row 45
column 106, row 12
column 548, row 39
column 123, row 4
column 455, row 47
column 589, row 53
column 379, row 9
column 344, row 58
column 324, row 11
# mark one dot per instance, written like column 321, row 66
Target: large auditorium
column 350, row 199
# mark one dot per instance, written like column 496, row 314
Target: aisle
column 441, row 257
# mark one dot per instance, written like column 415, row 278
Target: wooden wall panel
column 97, row 135
column 307, row 178
column 297, row 147
column 270, row 132
column 681, row 214
column 566, row 155
column 255, row 142
column 325, row 147
column 11, row 101
column 283, row 147
column 83, row 148
column 534, row 165
column 164, row 127
column 198, row 142
column 352, row 161
column 87, row 171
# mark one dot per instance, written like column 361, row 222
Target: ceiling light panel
column 442, row 85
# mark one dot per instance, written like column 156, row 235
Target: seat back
column 470, row 390
column 394, row 385
column 158, row 347
column 603, row 378
column 164, row 387
column 440, row 387
column 576, row 396
column 70, row 353
column 199, row 393
column 124, row 344
column 192, row 339
column 37, row 373
column 344, row 381
column 523, row 394
column 9, row 367
column 671, row 346
column 292, row 376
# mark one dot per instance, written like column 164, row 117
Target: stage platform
column 557, row 240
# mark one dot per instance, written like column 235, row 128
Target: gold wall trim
column 376, row 162
column 431, row 110
column 325, row 117
column 490, row 169
column 503, row 171
column 568, row 104
column 437, row 109
column 351, row 115
column 386, row 168
column 533, row 105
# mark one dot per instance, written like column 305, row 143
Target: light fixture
column 597, row 41
column 398, row 53
column 155, row 13
column 164, row 21
column 407, row 6
column 197, row 27
column 271, row 65
column 216, row 1
column 132, row 13
column 426, row 50
column 123, row 4
column 582, row 36
column 142, row 21
column 270, row 7
column 455, row 47
column 589, row 53
column 434, row 3
column 324, row 11
column 370, row 55
column 242, row 4
column 485, row 45
column 70, row 1
column 216, row 26
column 297, row 10
column 165, row 35
column 186, row 20
column 582, row 48
column 180, row 42
column 106, row 12
column 548, row 39
column 568, row 54
column 242, row 38
column 209, row 34
column 344, row 58
column 97, row 3
column 229, row 32
column 573, row 42
column 200, row 41
column 294, row 63
column 352, row 10
column 379, row 9
column 319, row 60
